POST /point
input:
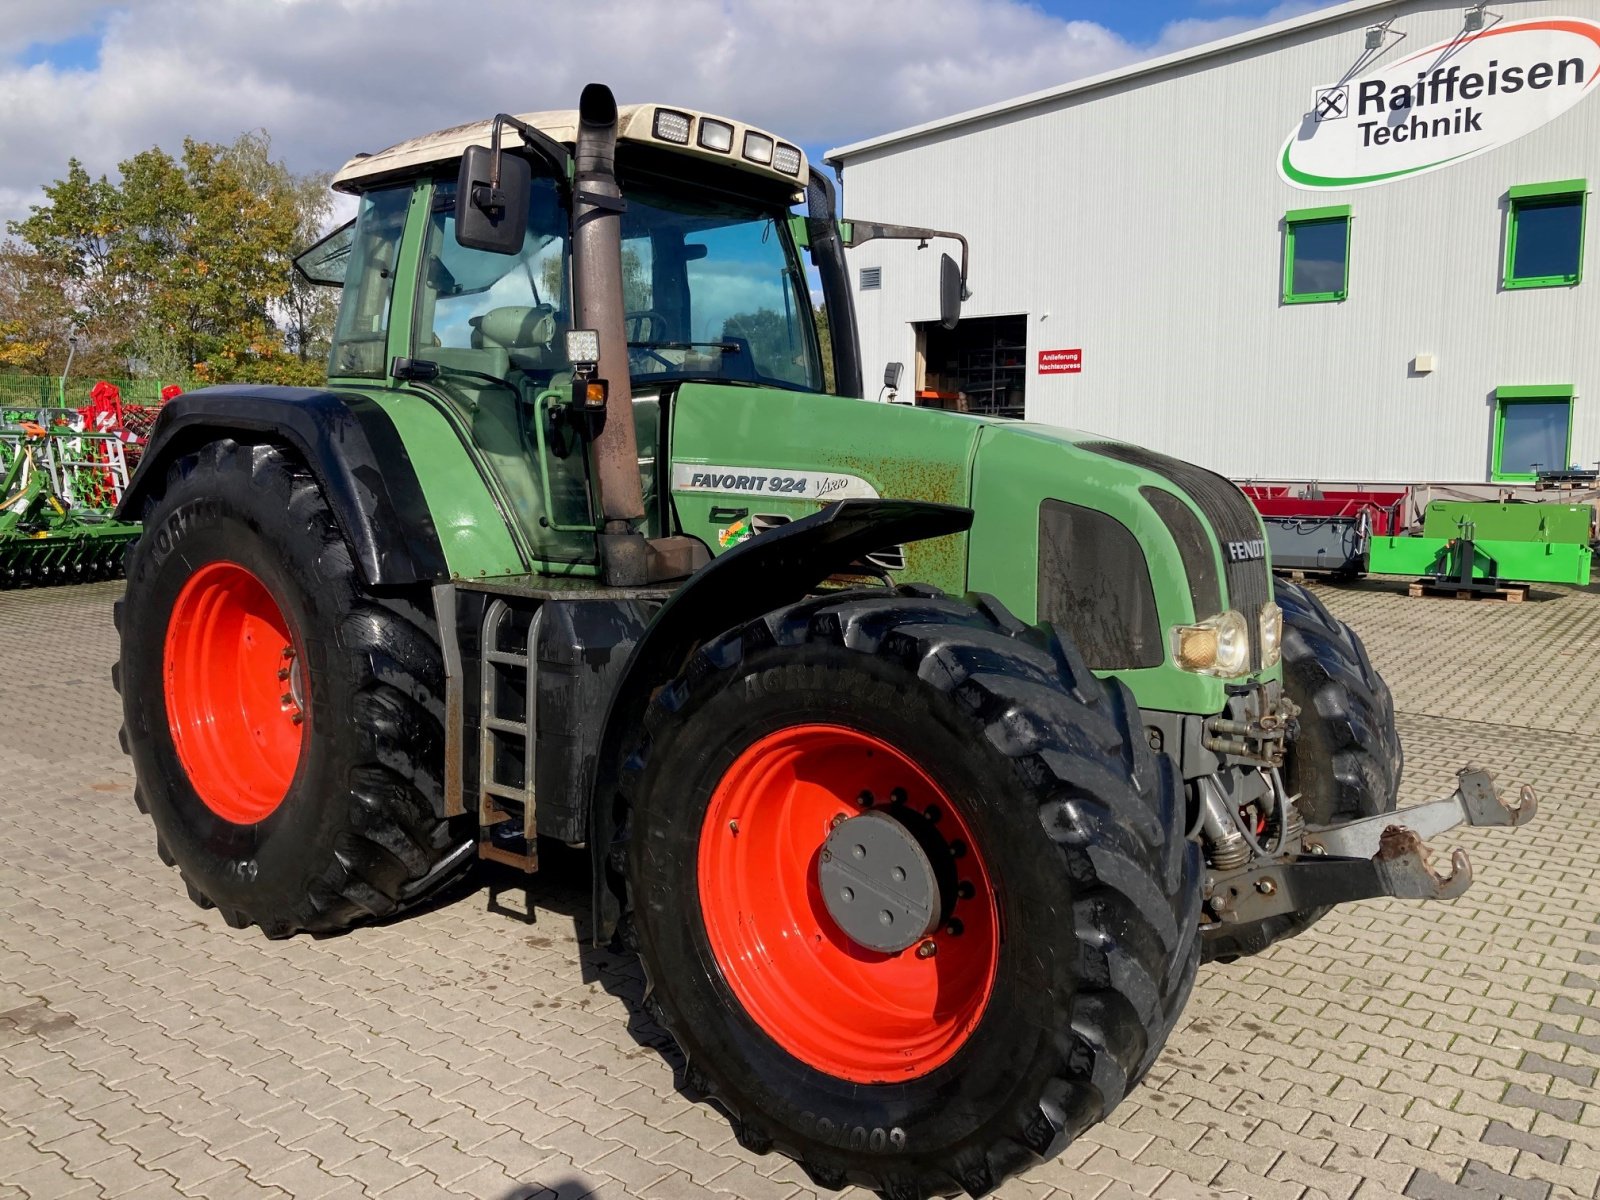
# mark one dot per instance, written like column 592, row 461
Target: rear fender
column 344, row 439
column 779, row 567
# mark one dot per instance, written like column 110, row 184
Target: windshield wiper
column 725, row 347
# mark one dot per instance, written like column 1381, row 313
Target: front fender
column 344, row 439
column 779, row 567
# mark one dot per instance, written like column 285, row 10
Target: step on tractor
column 921, row 758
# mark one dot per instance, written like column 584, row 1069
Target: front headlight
column 1271, row 634
column 1219, row 645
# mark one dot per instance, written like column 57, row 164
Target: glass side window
column 1531, row 435
column 361, row 337
column 1316, row 259
column 1544, row 239
column 494, row 325
column 715, row 290
column 489, row 313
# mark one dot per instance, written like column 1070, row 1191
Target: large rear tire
column 1067, row 945
column 1346, row 761
column 285, row 724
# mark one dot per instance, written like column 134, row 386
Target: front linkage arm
column 1375, row 856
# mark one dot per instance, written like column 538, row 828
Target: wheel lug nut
column 928, row 949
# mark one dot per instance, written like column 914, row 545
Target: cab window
column 495, row 313
column 361, row 337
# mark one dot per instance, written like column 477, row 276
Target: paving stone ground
column 146, row 1050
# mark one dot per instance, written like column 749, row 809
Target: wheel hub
column 823, row 975
column 236, row 692
column 878, row 884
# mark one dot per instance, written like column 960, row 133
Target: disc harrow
column 58, row 488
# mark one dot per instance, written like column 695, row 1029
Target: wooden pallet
column 1511, row 593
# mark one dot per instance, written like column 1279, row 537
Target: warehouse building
column 1348, row 247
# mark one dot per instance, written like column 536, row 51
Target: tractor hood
column 1112, row 542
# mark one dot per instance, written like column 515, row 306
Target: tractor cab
column 460, row 284
column 713, row 289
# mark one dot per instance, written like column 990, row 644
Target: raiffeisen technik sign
column 1450, row 102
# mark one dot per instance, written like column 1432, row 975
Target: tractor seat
column 523, row 331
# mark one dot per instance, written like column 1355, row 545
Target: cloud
column 1196, row 31
column 328, row 78
column 32, row 22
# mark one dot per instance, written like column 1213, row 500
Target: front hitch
column 1383, row 855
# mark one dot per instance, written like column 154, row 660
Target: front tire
column 285, row 724
column 1345, row 763
column 1068, row 942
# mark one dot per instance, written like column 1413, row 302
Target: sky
column 104, row 79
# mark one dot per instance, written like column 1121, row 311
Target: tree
column 825, row 345
column 182, row 265
column 310, row 309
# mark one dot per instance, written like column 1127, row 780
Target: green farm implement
column 921, row 757
column 1482, row 545
column 58, row 487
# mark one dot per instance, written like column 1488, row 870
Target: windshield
column 714, row 290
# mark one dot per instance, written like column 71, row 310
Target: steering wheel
column 646, row 325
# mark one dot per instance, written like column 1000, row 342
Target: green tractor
column 921, row 758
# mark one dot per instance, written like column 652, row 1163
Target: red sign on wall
column 1060, row 362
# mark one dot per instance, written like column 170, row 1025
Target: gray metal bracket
column 1475, row 801
column 1376, row 856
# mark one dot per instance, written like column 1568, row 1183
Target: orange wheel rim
column 237, row 692
column 846, row 1010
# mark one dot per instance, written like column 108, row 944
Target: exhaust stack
column 598, row 304
column 626, row 557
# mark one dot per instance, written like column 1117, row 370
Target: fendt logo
column 1445, row 104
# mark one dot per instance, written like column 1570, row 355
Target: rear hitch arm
column 1375, row 856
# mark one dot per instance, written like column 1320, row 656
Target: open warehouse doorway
column 980, row 366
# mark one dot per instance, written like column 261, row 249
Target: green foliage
column 825, row 345
column 181, row 267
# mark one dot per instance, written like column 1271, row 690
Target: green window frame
column 1526, row 197
column 1506, row 400
column 1295, row 225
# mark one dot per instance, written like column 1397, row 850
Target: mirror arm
column 867, row 231
column 537, row 140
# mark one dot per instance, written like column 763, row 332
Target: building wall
column 1143, row 222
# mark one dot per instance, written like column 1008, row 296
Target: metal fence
column 43, row 391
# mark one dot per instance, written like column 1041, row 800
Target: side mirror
column 892, row 374
column 950, row 292
column 492, row 200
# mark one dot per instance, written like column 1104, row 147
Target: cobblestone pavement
column 146, row 1050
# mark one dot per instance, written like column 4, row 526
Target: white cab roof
column 635, row 122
